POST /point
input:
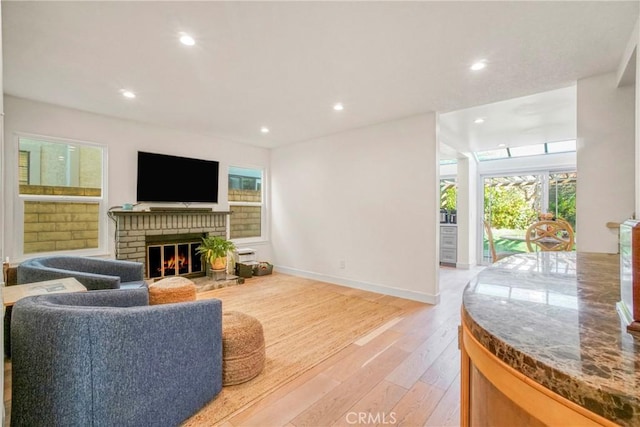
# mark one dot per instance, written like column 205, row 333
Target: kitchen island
column 542, row 344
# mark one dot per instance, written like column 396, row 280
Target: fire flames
column 171, row 263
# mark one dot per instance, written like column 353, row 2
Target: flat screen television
column 164, row 178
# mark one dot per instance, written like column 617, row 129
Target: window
column 527, row 150
column 246, row 202
column 60, row 196
column 448, row 193
column 23, row 167
column 500, row 153
column 561, row 146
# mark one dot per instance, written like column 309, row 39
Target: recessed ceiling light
column 502, row 145
column 479, row 65
column 338, row 107
column 186, row 39
column 264, row 129
column 479, row 120
column 128, row 94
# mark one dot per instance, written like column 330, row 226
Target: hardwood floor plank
column 351, row 364
column 420, row 329
column 292, row 386
column 373, row 406
column 410, row 370
column 373, row 334
column 291, row 405
column 447, row 413
column 417, row 405
column 338, row 401
column 445, row 369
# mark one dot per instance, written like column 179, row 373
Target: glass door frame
column 543, row 172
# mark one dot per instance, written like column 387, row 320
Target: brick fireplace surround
column 134, row 229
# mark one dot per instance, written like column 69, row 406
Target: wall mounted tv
column 163, row 178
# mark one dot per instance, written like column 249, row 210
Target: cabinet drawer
column 448, row 255
column 447, row 230
column 448, row 241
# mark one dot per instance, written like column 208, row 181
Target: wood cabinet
column 448, row 244
column 495, row 394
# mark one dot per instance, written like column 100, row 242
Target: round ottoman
column 242, row 347
column 172, row 289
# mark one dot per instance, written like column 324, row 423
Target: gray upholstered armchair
column 93, row 273
column 106, row 358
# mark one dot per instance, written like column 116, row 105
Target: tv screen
column 163, row 178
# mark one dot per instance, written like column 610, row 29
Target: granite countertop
column 552, row 316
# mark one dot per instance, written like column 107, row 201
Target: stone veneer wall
column 133, row 228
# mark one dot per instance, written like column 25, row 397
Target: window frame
column 263, row 205
column 20, row 199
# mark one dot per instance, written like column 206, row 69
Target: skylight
column 527, row 150
column 448, row 161
column 500, row 153
column 561, row 146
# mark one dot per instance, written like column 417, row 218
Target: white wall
column 2, row 205
column 467, row 212
column 365, row 200
column 123, row 139
column 606, row 160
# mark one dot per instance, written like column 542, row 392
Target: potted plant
column 214, row 249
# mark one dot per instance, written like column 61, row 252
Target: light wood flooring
column 405, row 373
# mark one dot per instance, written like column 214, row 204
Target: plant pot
column 219, row 263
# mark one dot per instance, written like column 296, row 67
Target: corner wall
column 606, row 161
column 467, row 211
column 359, row 208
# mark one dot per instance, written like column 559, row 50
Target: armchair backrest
column 93, row 273
column 91, row 359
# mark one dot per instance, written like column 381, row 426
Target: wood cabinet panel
column 493, row 393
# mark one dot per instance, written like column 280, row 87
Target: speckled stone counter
column 552, row 316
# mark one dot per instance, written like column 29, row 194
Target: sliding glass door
column 562, row 196
column 513, row 202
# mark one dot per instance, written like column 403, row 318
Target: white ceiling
column 534, row 119
column 284, row 64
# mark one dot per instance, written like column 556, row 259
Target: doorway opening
column 512, row 202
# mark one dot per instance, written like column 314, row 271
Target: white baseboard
column 380, row 289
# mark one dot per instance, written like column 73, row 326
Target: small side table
column 11, row 294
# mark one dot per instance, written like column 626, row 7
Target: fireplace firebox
column 174, row 256
column 173, row 260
